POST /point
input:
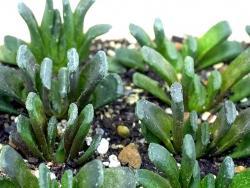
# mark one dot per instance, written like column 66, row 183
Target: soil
column 120, row 112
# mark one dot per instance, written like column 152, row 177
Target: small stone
column 88, row 140
column 13, row 118
column 49, row 164
column 52, row 176
column 35, row 173
column 111, row 53
column 131, row 156
column 119, row 146
column 238, row 169
column 178, row 45
column 244, row 100
column 1, row 146
column 107, row 115
column 218, row 65
column 168, row 111
column 123, row 131
column 132, row 99
column 179, row 76
column 105, row 163
column 212, row 119
column 113, row 161
column 103, row 146
column 205, row 116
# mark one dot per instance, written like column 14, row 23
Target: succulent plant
column 209, row 49
column 54, row 37
column 92, row 174
column 88, row 84
column 230, row 129
column 200, row 94
column 40, row 136
column 185, row 176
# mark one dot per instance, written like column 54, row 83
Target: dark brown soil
column 109, row 117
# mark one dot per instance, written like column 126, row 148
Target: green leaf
column 38, row 120
column 247, row 29
column 188, row 160
column 12, row 43
column 7, row 56
column 215, row 36
column 46, row 72
column 213, row 87
column 26, row 133
column 67, row 179
column 7, row 107
column 150, row 86
column 224, row 52
column 225, row 174
column 239, row 129
column 242, row 149
column 189, row 47
column 159, row 65
column 165, row 162
column 115, row 66
column 107, row 91
column 223, row 123
column 156, row 121
column 241, row 180
column 121, row 177
column 47, row 25
column 44, row 176
column 91, row 75
column 12, row 164
column 140, row 35
column 130, row 58
column 91, row 175
column 195, row 181
column 159, row 33
column 63, row 82
column 68, row 24
column 52, row 132
column 208, row 181
column 91, row 34
column 149, row 179
column 191, row 125
column 237, row 69
column 177, row 107
column 202, row 139
column 8, row 183
column 92, row 148
column 36, row 40
column 88, row 114
column 240, row 91
column 79, row 16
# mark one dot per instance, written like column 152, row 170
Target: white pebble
column 114, row 162
column 52, row 176
column 105, row 163
column 168, row 111
column 88, row 140
column 103, row 146
column 205, row 116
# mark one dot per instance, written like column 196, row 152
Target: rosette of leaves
column 83, row 85
column 54, row 36
column 41, row 137
column 185, row 176
column 92, row 174
column 200, row 93
column 230, row 129
column 211, row 48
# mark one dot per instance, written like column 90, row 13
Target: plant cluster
column 54, row 36
column 228, row 130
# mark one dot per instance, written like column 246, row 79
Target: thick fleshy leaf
column 8, row 183
column 52, row 133
column 149, row 179
column 36, row 40
column 189, row 47
column 196, row 177
column 237, row 69
column 44, row 176
column 63, row 82
column 242, row 149
column 159, row 33
column 212, row 38
column 79, row 16
column 165, row 162
column 240, row 90
column 38, row 120
column 88, row 114
column 225, row 174
column 208, row 181
column 187, row 161
column 107, row 91
column 7, row 56
column 68, row 24
column 241, row 180
column 247, row 29
column 46, row 72
column 121, row 177
column 239, row 129
column 224, row 52
column 130, row 58
column 12, row 43
column 26, row 133
column 191, row 125
column 140, row 35
column 90, row 35
column 6, row 106
column 67, row 179
column 92, row 148
column 223, row 123
column 12, row 164
column 91, row 175
column 202, row 139
column 159, row 65
column 177, row 107
column 91, row 75
column 156, row 121
column 151, row 86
